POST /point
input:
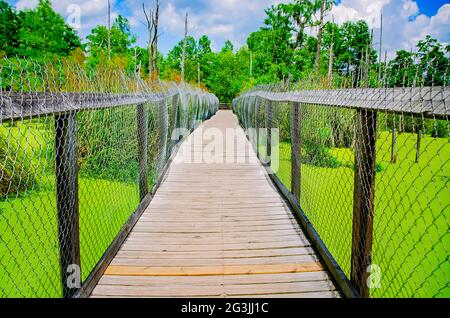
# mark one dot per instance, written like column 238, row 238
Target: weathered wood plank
column 212, row 270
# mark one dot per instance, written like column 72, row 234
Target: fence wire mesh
column 75, row 148
column 370, row 169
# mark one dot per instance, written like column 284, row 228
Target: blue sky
column 405, row 21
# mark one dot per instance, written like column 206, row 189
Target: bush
column 15, row 174
column 319, row 156
column 107, row 144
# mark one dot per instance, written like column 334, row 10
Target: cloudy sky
column 405, row 21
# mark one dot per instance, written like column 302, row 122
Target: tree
column 43, row 31
column 301, row 12
column 325, row 6
column 351, row 53
column 152, row 18
column 272, row 48
column 228, row 46
column 183, row 54
column 9, row 29
column 230, row 74
column 401, row 70
column 204, row 45
column 121, row 39
column 433, row 62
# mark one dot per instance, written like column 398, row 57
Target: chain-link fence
column 369, row 168
column 79, row 152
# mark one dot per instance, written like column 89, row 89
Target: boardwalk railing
column 367, row 171
column 80, row 155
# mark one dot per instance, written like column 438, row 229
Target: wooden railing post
column 363, row 205
column 269, row 132
column 419, row 138
column 176, row 119
column 249, row 114
column 142, row 135
column 296, row 155
column 163, row 132
column 257, row 101
column 66, row 170
column 394, row 146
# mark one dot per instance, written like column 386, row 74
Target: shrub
column 15, row 173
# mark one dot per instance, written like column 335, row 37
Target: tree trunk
column 319, row 39
column 183, row 58
column 109, row 30
column 155, row 37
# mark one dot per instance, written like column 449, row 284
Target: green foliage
column 102, row 153
column 15, row 172
column 9, row 29
column 44, row 32
column 318, row 155
column 429, row 66
column 121, row 42
column 404, row 214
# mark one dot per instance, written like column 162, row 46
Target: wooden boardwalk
column 216, row 230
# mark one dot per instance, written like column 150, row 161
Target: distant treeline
column 338, row 56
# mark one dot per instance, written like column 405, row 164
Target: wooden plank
column 217, row 254
column 213, row 280
column 227, row 290
column 214, row 261
column 212, row 270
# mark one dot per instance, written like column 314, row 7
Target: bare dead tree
column 155, row 36
column 319, row 38
column 150, row 26
column 251, row 66
column 109, row 29
column 183, row 58
column 325, row 7
column 331, row 59
column 367, row 63
column 381, row 47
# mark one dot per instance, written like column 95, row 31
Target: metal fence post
column 66, row 170
column 296, row 156
column 269, row 132
column 363, row 205
column 142, row 135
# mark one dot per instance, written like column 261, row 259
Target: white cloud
column 93, row 12
column 403, row 24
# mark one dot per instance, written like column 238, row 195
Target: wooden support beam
column 66, row 170
column 163, row 133
column 419, row 139
column 142, row 136
column 394, row 146
column 363, row 205
column 175, row 120
column 296, row 155
column 257, row 103
column 269, row 132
